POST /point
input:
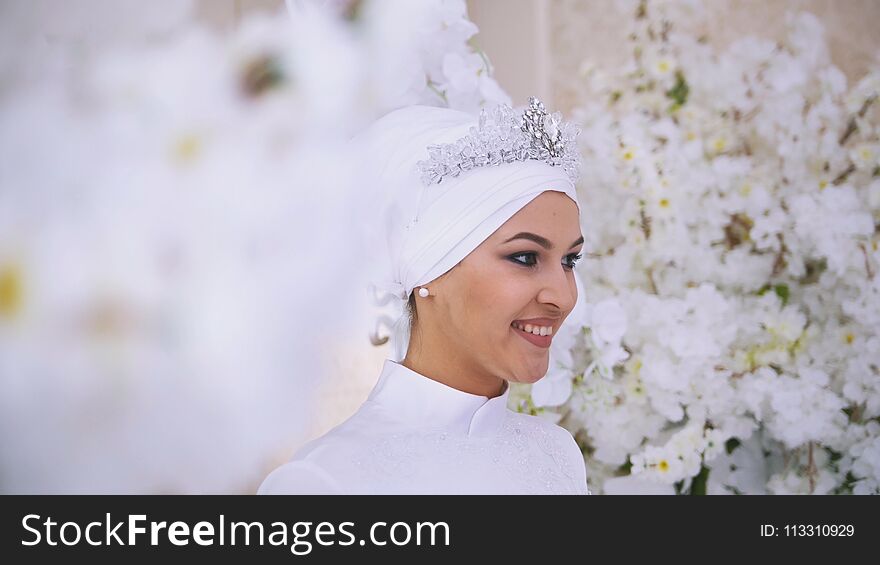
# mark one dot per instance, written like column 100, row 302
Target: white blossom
column 732, row 217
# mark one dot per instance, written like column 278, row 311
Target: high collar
column 423, row 402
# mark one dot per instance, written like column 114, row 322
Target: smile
column 538, row 340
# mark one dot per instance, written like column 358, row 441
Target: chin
column 531, row 373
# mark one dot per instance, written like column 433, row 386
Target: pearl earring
column 423, row 292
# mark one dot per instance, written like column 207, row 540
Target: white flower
column 555, row 387
column 462, row 70
column 631, row 485
column 743, row 471
column 608, row 322
column 866, row 156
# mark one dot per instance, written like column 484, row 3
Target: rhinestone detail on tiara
column 504, row 137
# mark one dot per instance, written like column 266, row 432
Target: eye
column 573, row 258
column 532, row 255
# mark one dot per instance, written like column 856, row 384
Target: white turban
column 423, row 231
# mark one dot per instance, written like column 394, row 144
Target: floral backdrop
column 179, row 244
column 732, row 216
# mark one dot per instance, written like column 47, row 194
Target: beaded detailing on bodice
column 522, row 457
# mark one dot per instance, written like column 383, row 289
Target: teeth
column 536, row 330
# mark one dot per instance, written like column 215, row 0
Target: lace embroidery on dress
column 523, row 449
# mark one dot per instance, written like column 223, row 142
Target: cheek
column 508, row 301
column 493, row 298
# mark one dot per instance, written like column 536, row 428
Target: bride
column 481, row 234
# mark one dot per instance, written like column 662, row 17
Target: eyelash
column 573, row 257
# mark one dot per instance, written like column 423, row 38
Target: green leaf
column 782, row 292
column 679, row 92
column 698, row 485
column 731, row 444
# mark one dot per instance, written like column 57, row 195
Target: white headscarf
column 423, row 231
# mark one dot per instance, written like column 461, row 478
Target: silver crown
column 504, row 137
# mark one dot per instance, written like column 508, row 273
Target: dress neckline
column 422, row 402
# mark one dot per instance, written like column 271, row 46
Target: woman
column 481, row 234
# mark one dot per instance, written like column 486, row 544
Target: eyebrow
column 542, row 241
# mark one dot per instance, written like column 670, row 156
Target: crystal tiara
column 504, row 137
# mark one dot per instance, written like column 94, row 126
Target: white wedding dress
column 414, row 435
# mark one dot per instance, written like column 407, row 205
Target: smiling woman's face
column 509, row 277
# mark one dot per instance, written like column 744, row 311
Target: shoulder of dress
column 562, row 438
column 543, row 424
column 331, row 451
column 326, row 463
column 367, row 421
column 299, row 477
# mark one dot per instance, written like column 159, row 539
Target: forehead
column 552, row 212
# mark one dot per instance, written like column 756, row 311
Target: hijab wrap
column 419, row 231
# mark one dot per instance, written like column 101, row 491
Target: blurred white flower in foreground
column 180, row 242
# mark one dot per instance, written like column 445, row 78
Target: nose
column 558, row 287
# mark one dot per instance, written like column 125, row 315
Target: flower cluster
column 735, row 199
column 424, row 53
